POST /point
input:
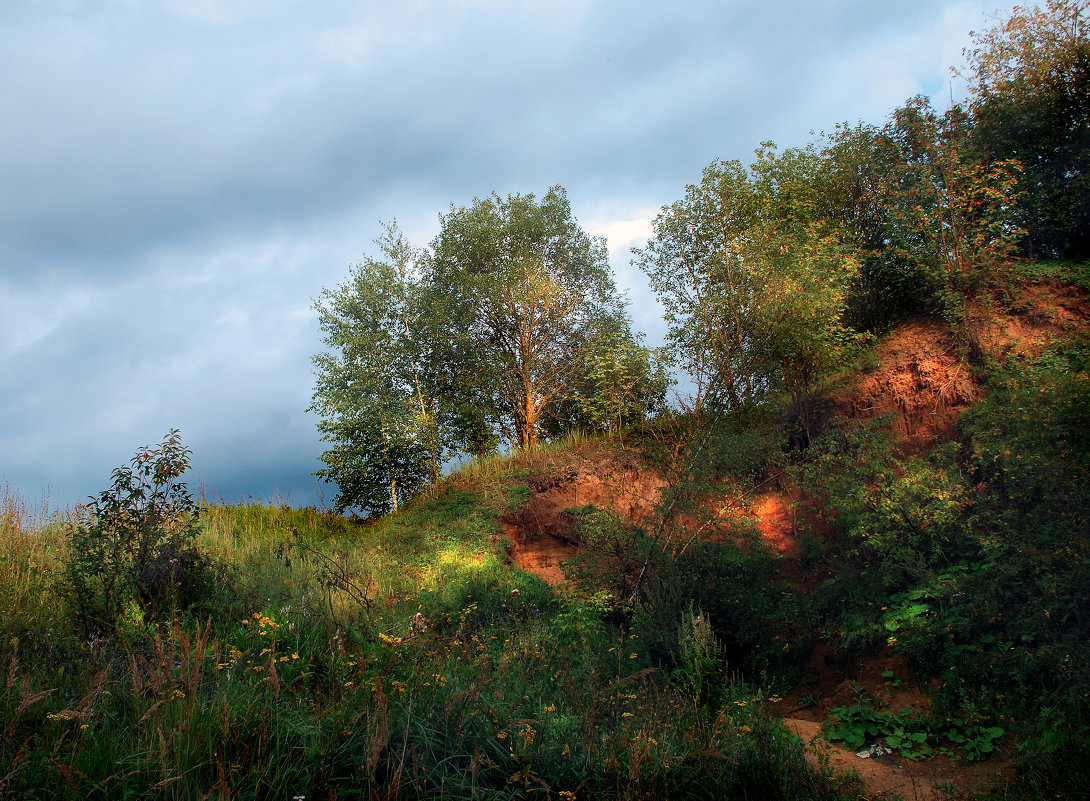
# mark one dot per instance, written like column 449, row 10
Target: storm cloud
column 179, row 178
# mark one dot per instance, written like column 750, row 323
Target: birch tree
column 373, row 388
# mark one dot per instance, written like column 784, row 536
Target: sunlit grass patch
column 33, row 544
column 455, row 562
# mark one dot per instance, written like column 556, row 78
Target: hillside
column 689, row 608
column 850, row 562
column 919, row 383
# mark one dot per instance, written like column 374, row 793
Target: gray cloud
column 178, row 179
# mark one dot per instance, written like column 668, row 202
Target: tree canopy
column 506, row 329
column 1029, row 78
column 374, row 388
column 529, row 294
column 753, row 279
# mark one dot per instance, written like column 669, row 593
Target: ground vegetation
column 862, row 533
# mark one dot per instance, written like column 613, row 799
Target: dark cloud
column 179, row 177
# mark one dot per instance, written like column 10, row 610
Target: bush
column 132, row 553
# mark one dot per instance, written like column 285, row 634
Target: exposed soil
column 541, row 554
column 913, row 781
column 922, row 379
column 542, row 531
column 806, row 708
column 923, row 382
column 1040, row 314
column 776, row 518
column 919, row 381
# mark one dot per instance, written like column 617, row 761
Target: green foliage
column 735, row 592
column 621, row 384
column 754, row 279
column 376, row 386
column 958, row 213
column 508, row 328
column 471, row 680
column 1030, row 83
column 134, row 548
column 864, row 726
column 614, row 556
column 580, row 623
column 33, row 544
column 975, row 740
column 702, row 668
column 971, row 561
column 525, row 294
column 402, row 658
column 859, row 180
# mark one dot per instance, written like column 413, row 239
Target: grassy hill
column 657, row 615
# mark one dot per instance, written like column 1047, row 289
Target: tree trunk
column 529, row 428
column 390, row 467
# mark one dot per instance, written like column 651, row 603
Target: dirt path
column 935, row 779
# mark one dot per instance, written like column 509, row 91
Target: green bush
column 132, row 555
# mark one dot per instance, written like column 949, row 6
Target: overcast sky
column 179, row 178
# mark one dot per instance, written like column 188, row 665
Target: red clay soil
column 921, row 377
column 922, row 381
column 890, row 773
column 1039, row 315
column 928, row 780
column 541, row 538
column 541, row 531
column 776, row 518
column 919, row 380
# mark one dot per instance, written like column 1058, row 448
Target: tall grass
column 392, row 659
column 493, row 471
column 32, row 545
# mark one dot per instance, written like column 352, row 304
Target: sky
column 179, row 179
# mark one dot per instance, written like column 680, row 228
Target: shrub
column 132, row 551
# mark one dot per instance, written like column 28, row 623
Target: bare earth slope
column 923, row 381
